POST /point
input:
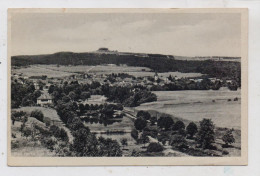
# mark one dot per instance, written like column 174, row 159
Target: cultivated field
column 61, row 71
column 39, row 70
column 196, row 105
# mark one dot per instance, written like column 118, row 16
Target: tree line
column 159, row 63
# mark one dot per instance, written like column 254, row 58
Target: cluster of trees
column 112, row 77
column 18, row 116
column 129, row 96
column 103, row 113
column 176, row 133
column 156, row 62
column 186, row 84
column 84, row 143
column 23, row 94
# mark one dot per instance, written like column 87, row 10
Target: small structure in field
column 45, row 99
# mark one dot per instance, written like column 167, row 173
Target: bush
column 228, row 137
column 134, row 134
column 49, row 143
column 38, row 115
column 179, row 142
column 154, row 147
column 14, row 144
column 27, row 132
column 224, row 152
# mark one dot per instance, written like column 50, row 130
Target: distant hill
column 156, row 62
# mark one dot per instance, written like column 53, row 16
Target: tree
column 85, row 95
column 64, row 135
column 140, row 124
column 55, row 130
column 192, row 129
column 134, row 134
column 38, row 115
column 154, row 147
column 206, row 134
column 27, row 132
column 153, row 120
column 178, row 126
column 72, row 95
column 144, row 139
column 124, row 142
column 165, row 122
column 81, row 108
column 228, row 137
column 143, row 114
column 178, row 141
column 109, row 147
column 84, row 143
column 66, row 99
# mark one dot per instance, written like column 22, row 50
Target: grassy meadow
column 196, row 105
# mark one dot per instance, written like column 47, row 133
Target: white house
column 44, row 99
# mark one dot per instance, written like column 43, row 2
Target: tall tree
column 206, row 134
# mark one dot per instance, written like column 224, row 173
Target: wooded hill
column 156, row 62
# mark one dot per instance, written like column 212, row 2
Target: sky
column 182, row 34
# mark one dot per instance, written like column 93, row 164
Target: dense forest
column 156, row 62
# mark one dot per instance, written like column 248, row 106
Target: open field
column 61, row 71
column 196, row 105
column 206, row 58
column 39, row 70
column 47, row 112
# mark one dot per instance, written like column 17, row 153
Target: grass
column 49, row 115
column 62, row 71
column 39, row 70
column 22, row 146
column 196, row 105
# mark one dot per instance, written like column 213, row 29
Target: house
column 44, row 99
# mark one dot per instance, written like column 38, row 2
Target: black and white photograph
column 144, row 85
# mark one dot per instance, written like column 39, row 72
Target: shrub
column 224, row 152
column 124, row 142
column 64, row 135
column 38, row 115
column 144, row 139
column 134, row 134
column 49, row 143
column 154, row 147
column 14, row 144
column 55, row 131
column 179, row 142
column 228, row 137
column 27, row 132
